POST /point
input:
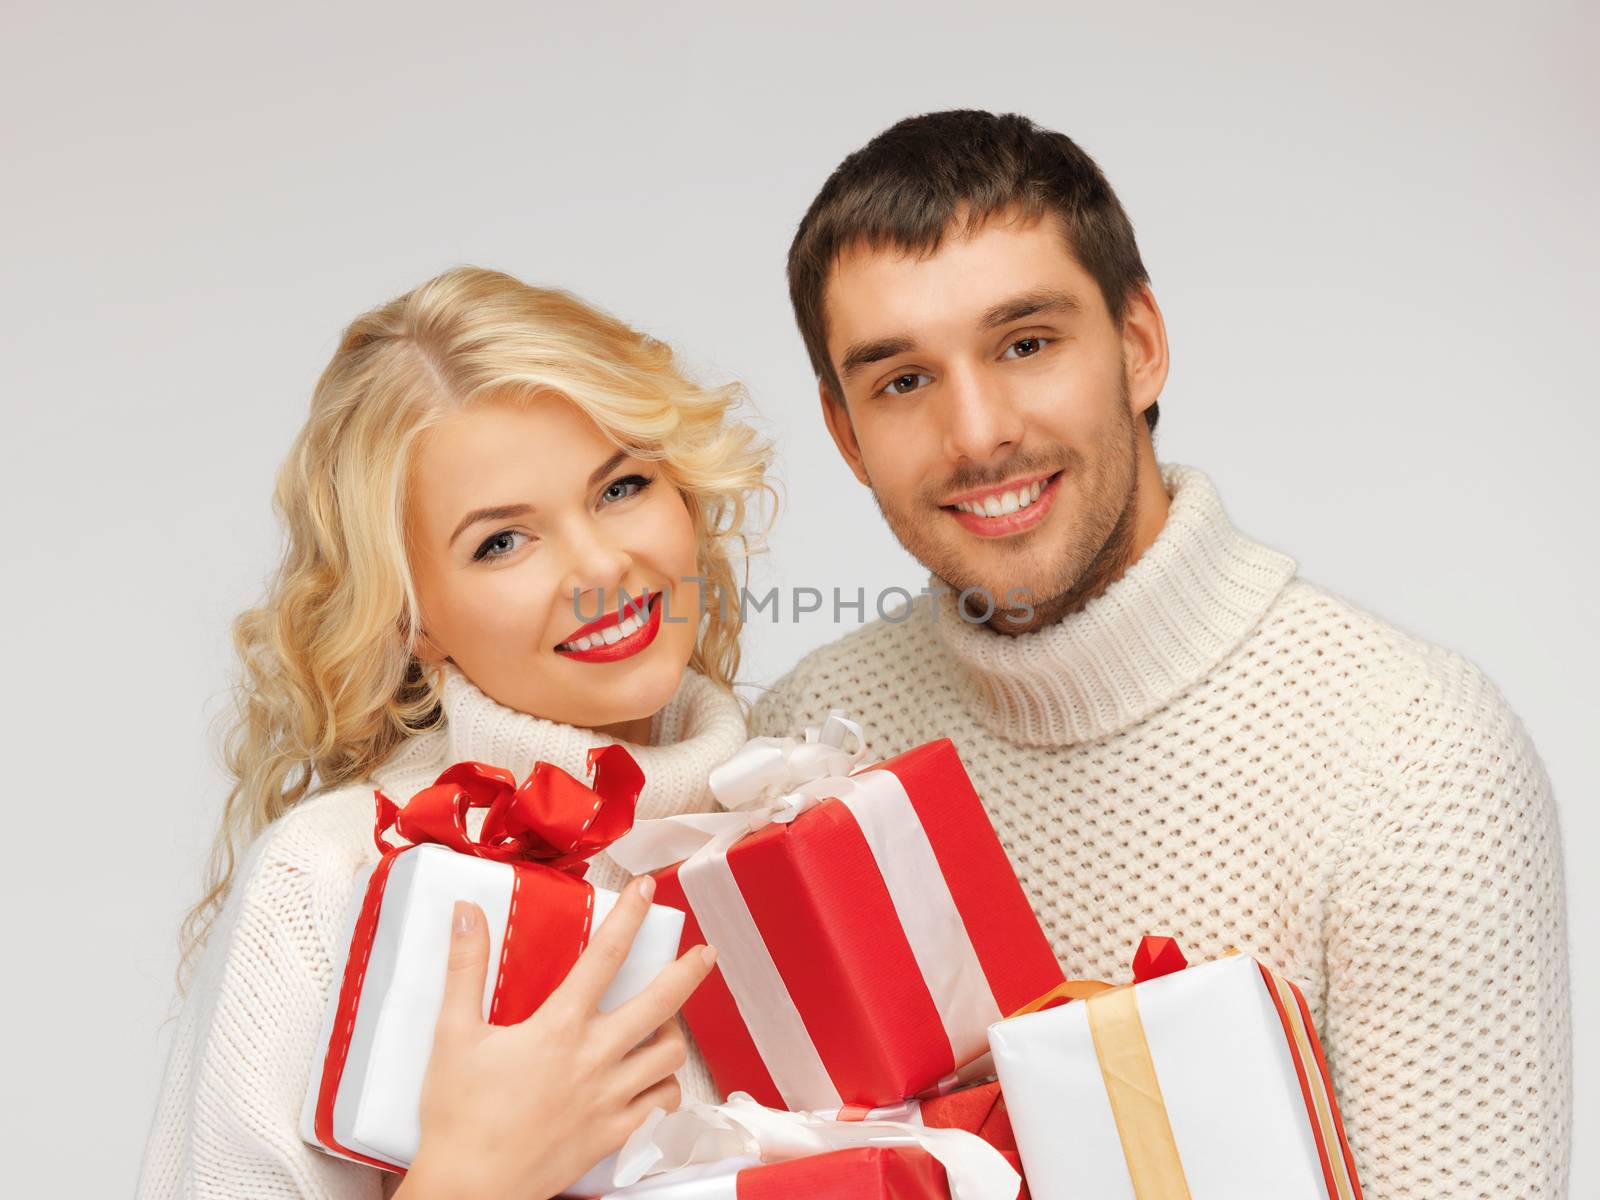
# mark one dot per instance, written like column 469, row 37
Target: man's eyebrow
column 864, row 354
column 1029, row 304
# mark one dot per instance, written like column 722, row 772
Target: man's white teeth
column 608, row 636
column 1004, row 503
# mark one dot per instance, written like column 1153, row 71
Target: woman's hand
column 522, row 1111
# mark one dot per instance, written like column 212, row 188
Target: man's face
column 991, row 405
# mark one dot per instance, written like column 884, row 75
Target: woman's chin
column 616, row 698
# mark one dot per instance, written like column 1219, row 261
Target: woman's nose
column 597, row 571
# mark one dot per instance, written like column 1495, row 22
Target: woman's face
column 529, row 530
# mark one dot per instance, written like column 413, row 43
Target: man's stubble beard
column 1098, row 549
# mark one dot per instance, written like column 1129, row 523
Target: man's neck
column 1137, row 528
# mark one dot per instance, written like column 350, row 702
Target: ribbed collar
column 698, row 728
column 1181, row 608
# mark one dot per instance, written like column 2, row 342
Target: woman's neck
column 636, row 731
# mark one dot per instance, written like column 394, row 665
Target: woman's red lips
column 640, row 619
column 625, row 607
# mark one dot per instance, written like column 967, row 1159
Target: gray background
column 1370, row 232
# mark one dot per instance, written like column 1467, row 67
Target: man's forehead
column 963, row 227
column 874, row 290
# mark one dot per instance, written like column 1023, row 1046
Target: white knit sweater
column 227, row 1121
column 1218, row 750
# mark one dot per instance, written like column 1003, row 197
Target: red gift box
column 865, row 944
column 868, row 1173
column 862, row 1173
column 980, row 1110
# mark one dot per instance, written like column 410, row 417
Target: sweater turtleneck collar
column 1182, row 606
column 699, row 727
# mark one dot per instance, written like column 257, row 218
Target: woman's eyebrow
column 606, row 467
column 498, row 513
column 501, row 511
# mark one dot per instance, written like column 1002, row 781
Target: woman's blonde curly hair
column 330, row 685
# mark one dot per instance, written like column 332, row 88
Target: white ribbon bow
column 707, row 1133
column 767, row 781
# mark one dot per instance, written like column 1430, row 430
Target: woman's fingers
column 467, row 970
column 632, row 1022
column 665, row 1095
column 653, row 1061
column 592, row 974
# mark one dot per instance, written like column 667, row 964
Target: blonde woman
column 486, row 466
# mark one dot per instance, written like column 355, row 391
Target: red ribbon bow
column 551, row 818
column 1155, row 957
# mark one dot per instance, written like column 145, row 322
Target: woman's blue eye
column 1026, row 347
column 486, row 550
column 904, row 385
column 621, row 489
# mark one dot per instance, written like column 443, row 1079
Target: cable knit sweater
column 227, row 1121
column 1215, row 749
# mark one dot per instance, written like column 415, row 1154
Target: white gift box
column 1244, row 1089
column 376, row 1107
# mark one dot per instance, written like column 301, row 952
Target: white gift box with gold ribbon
column 1206, row 1083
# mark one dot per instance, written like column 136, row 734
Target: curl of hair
column 329, row 684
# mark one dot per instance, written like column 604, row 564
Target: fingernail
column 709, row 953
column 465, row 918
column 647, row 887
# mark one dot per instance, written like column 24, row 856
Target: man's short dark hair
column 905, row 188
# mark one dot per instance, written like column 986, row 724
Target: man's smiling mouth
column 1010, row 508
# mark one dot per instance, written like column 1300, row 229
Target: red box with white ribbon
column 869, row 927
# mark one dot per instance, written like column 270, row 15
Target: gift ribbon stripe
column 917, row 882
column 1326, row 1082
column 736, row 1065
column 1134, row 1093
column 355, row 974
column 759, row 990
column 979, row 877
column 835, row 938
column 547, row 926
column 1338, row 1169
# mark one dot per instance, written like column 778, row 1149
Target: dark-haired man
column 1171, row 730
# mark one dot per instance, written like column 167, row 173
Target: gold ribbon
column 1129, row 1075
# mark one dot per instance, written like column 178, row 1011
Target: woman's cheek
column 670, row 542
column 516, row 604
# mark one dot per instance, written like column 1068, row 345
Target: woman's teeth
column 610, row 635
column 1005, row 502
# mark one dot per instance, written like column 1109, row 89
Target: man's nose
column 980, row 420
